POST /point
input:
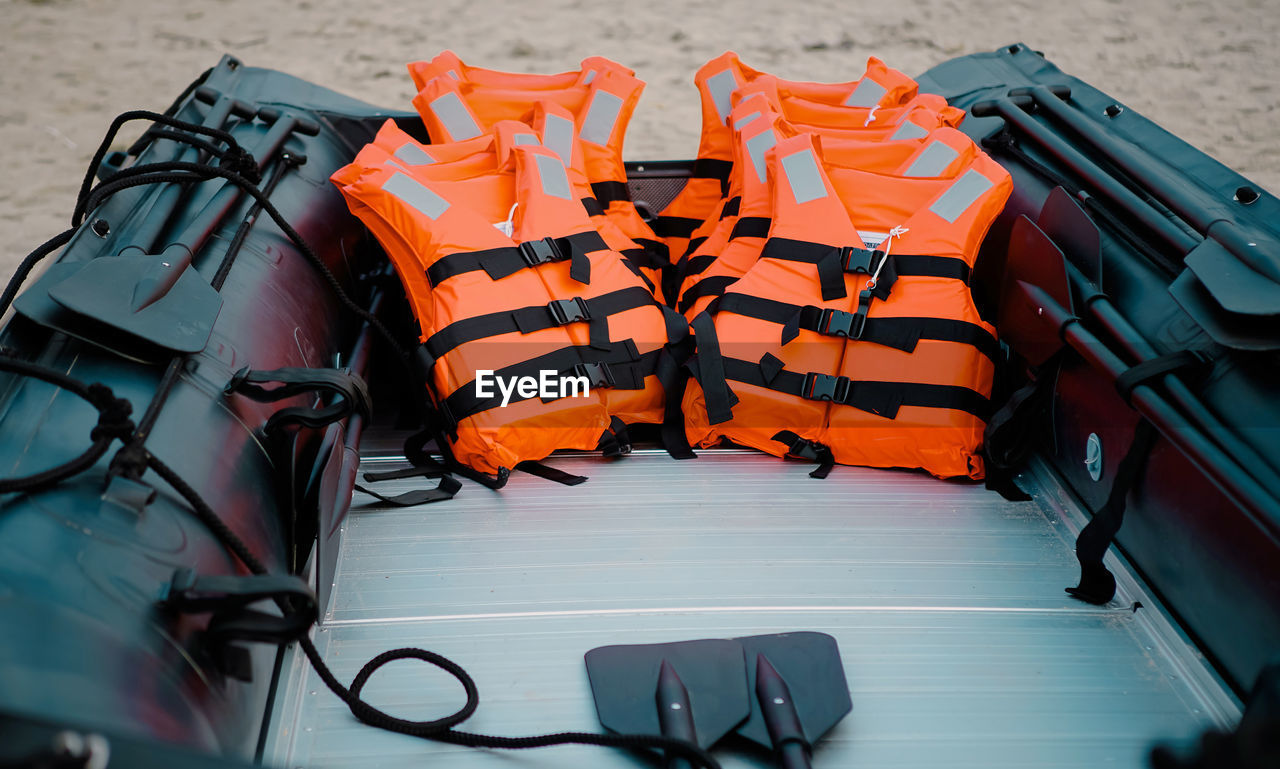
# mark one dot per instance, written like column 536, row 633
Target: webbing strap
column 699, row 263
column 447, row 489
column 834, row 261
column 1165, row 364
column 898, row 333
column 800, row 448
column 731, row 206
column 711, row 168
column 592, row 206
column 608, row 192
column 352, row 391
column 712, row 286
column 620, row 367
column 879, row 398
column 674, row 226
column 508, row 260
column 708, row 366
column 527, row 320
column 1097, row 584
column 751, row 227
column 546, row 472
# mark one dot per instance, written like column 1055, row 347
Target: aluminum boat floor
column 960, row 646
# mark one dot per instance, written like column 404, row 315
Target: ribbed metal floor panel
column 960, row 646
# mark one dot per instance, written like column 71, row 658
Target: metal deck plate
column 961, row 648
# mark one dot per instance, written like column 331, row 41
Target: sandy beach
column 1206, row 71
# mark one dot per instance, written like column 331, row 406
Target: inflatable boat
column 192, row 390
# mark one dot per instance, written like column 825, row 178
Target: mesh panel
column 656, row 191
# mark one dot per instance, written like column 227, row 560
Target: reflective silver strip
column 932, row 160
column 557, row 136
column 453, row 74
column 740, row 122
column 455, row 117
column 525, row 139
column 868, row 93
column 554, row 180
column 802, row 174
column 960, row 195
column 721, row 86
column 591, row 75
column 415, row 195
column 413, row 155
column 756, row 147
column 909, row 130
column 597, row 126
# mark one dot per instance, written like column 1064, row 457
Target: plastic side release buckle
column 597, row 374
column 839, row 323
column 804, row 449
column 535, row 252
column 566, row 311
column 825, row 387
column 855, row 259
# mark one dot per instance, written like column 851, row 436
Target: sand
column 1206, row 71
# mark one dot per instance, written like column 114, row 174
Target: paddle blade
column 625, row 685
column 809, row 664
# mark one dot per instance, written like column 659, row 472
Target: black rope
column 28, row 264
column 78, row 214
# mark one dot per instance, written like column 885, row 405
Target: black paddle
column 800, row 693
column 692, row 690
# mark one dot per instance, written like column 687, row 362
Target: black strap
column 1165, row 364
column 620, row 366
column 751, row 227
column 527, row 320
column 712, row 286
column 834, row 261
column 731, row 207
column 811, row 451
column 1097, row 584
column 879, row 398
column 593, row 207
column 228, row 597
column 508, row 260
column 708, row 368
column 711, row 168
column 694, row 245
column 1009, row 436
column 550, row 473
column 352, row 391
column 608, row 192
column 898, row 333
column 698, row 264
column 674, row 226
column 447, row 489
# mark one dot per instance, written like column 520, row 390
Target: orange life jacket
column 832, row 347
column 549, row 296
column 717, row 80
column 601, row 98
column 741, row 222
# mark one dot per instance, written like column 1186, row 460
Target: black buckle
column 854, row 259
column 535, row 252
column 838, row 323
column 805, row 449
column 597, row 374
column 569, row 310
column 825, row 387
